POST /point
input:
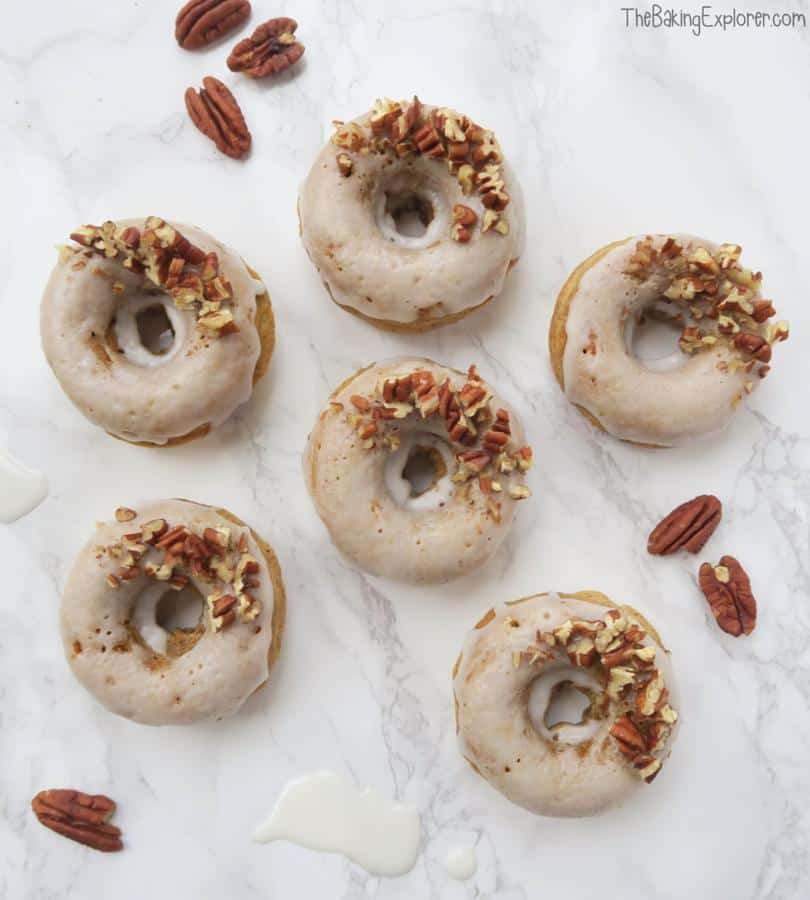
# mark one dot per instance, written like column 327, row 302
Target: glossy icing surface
column 577, row 772
column 22, row 489
column 446, row 532
column 373, row 269
column 136, row 394
column 327, row 812
column 125, row 667
column 633, row 402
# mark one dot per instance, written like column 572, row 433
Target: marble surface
column 613, row 131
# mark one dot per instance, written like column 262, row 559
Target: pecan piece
column 687, row 527
column 80, row 817
column 463, row 220
column 201, row 22
column 270, row 49
column 630, row 740
column 217, row 115
column 763, row 310
column 727, row 588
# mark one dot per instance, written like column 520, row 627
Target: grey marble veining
column 613, row 131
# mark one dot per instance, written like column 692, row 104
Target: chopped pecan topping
column 201, row 22
column 345, row 164
column 482, row 438
column 727, row 589
column 754, row 345
column 463, row 220
column 174, row 554
column 80, row 817
column 615, row 646
column 217, row 115
column 472, row 154
column 712, row 288
column 168, row 260
column 270, row 49
column 630, row 740
column 687, row 527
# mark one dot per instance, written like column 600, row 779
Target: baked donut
column 156, row 335
column 516, row 660
column 411, row 216
column 724, row 348
column 114, row 610
column 416, row 470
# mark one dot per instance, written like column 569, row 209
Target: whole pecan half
column 80, row 817
column 216, row 114
column 201, row 22
column 687, row 527
column 271, row 48
column 728, row 590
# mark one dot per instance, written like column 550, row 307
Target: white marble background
column 613, row 131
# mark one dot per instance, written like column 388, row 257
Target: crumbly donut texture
column 377, row 162
column 527, row 649
column 358, row 450
column 90, row 338
column 120, row 653
column 726, row 343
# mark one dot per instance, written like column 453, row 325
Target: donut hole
column 567, row 704
column 410, row 208
column 562, row 705
column 651, row 336
column 178, row 617
column 411, row 212
column 148, row 329
column 423, row 468
column 155, row 330
column 179, row 610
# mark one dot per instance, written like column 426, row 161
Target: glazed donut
column 408, row 161
column 155, row 335
column 724, row 348
column 515, row 661
column 383, row 427
column 112, row 606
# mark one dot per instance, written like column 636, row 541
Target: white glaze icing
column 327, row 812
column 22, row 489
column 419, row 544
column 369, row 266
column 210, row 681
column 546, row 776
column 139, row 397
column 461, row 863
column 658, row 404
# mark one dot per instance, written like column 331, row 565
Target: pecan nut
column 80, row 817
column 687, row 527
column 201, row 22
column 217, row 115
column 627, row 735
column 728, row 590
column 270, row 49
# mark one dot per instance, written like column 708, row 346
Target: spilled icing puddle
column 461, row 863
column 324, row 811
column 21, row 489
